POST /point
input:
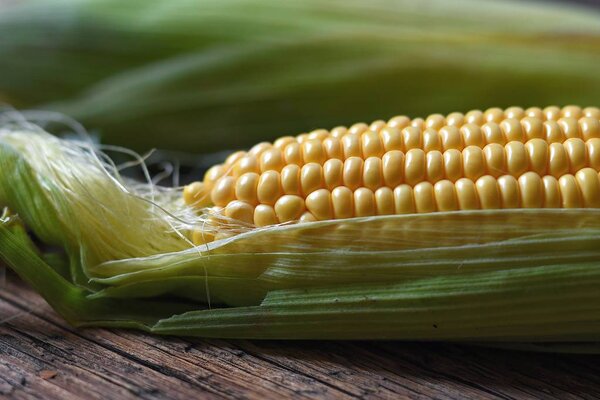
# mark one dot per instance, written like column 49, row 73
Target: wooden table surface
column 42, row 357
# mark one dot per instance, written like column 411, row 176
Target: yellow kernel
column 592, row 112
column 293, row 154
column 313, row 151
column 514, row 113
column 311, row 178
column 535, row 112
column 553, row 132
column 195, row 194
column 495, row 159
column 414, row 166
column 474, row 117
column 418, row 123
column 333, row 171
column 200, row 237
column 339, row 131
column 509, row 191
column 303, row 137
column 455, row 119
column 431, row 140
column 533, row 128
column 271, row 159
column 404, row 201
column 571, row 112
column 453, row 166
column 240, row 211
column 569, row 127
column 488, row 192
column 466, row 194
column 551, row 192
column 371, row 145
column 307, row 216
column 290, row 179
column 333, row 148
column 472, row 135
column 259, row 148
column 590, row 128
column 377, row 126
column 269, row 187
column 233, row 158
column 342, row 200
column 246, row 164
column 473, row 162
column 282, row 142
column 364, row 202
column 493, row 133
column 517, row 162
column 352, row 173
column 319, row 204
column 411, row 137
column 558, row 160
column 493, row 115
column 551, row 113
column 224, row 191
column 569, row 192
column 537, row 151
column 393, row 168
column 264, row 215
column 372, row 173
column 445, row 196
column 351, row 146
column 318, row 134
column 435, row 166
column 589, row 186
column 384, row 201
column 451, row 138
column 424, row 197
column 593, row 151
column 400, row 122
column 358, row 128
column 531, row 189
column 246, row 187
column 577, row 154
column 512, row 130
column 289, row 208
column 391, row 139
column 212, row 175
column 435, row 121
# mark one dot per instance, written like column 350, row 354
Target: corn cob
column 495, row 159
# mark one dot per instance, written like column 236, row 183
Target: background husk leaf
column 229, row 73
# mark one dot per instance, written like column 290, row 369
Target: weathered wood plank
column 99, row 363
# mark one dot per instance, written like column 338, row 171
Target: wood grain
column 42, row 357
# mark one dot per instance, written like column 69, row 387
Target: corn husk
column 229, row 73
column 124, row 260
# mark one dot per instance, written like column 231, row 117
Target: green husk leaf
column 73, row 303
column 150, row 73
column 552, row 303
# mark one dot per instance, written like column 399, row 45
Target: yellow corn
column 509, row 158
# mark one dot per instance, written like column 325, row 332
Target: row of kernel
column 457, row 119
column 530, row 190
column 495, row 114
column 415, row 166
